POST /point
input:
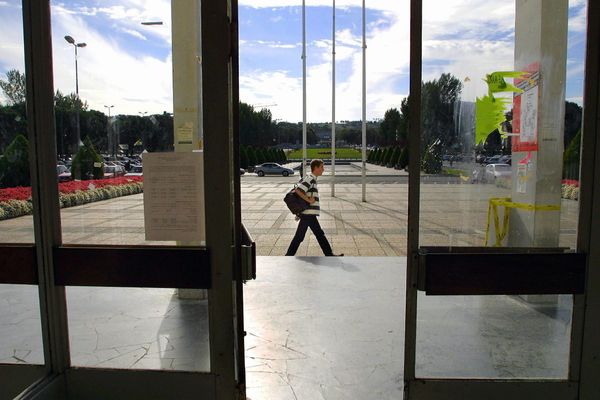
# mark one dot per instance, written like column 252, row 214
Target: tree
column 14, row 165
column 403, row 160
column 403, row 123
column 243, row 157
column 389, row 126
column 438, row 98
column 87, row 163
column 14, row 86
column 573, row 115
column 571, row 158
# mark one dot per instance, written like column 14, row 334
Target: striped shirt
column 308, row 185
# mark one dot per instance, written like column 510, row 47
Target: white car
column 494, row 172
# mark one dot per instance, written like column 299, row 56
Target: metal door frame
column 584, row 363
column 215, row 267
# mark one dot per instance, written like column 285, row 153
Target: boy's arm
column 304, row 197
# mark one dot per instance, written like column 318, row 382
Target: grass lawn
column 325, row 153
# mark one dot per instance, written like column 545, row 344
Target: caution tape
column 506, row 202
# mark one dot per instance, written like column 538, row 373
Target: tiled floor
column 317, row 328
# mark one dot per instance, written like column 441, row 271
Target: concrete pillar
column 187, row 92
column 540, row 46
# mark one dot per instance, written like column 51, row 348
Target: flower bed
column 16, row 202
column 570, row 189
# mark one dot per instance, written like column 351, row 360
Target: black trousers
column 307, row 221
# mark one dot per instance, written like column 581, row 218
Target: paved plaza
column 452, row 213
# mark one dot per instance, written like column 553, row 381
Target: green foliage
column 437, row 102
column 243, row 157
column 395, row 156
column 403, row 160
column 388, row 129
column 252, row 160
column 571, row 158
column 70, row 102
column 387, row 154
column 14, row 86
column 377, row 156
column 432, row 159
column 87, row 163
column 14, row 165
column 573, row 115
column 325, row 153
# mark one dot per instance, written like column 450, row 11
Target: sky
column 128, row 65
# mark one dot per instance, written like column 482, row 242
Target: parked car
column 494, row 172
column 113, row 171
column 272, row 168
column 242, row 171
column 135, row 170
column 480, row 158
column 493, row 159
column 63, row 173
column 505, row 159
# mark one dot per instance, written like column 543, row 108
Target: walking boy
column 307, row 190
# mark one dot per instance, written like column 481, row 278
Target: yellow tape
column 506, row 202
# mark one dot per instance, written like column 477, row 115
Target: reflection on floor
column 317, row 328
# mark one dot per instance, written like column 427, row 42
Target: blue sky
column 129, row 65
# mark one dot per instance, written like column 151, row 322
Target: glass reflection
column 137, row 328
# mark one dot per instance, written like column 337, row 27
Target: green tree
column 432, row 159
column 438, row 99
column 14, row 165
column 87, row 163
column 243, row 157
column 573, row 115
column 571, row 158
column 403, row 160
column 403, row 123
column 395, row 157
column 252, row 160
column 388, row 128
column 14, row 86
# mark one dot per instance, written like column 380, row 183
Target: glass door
column 497, row 263
column 140, row 289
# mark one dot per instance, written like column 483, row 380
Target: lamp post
column 109, row 133
column 70, row 40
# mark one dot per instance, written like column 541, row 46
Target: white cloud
column 467, row 39
column 108, row 73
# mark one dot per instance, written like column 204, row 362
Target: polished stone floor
column 317, row 328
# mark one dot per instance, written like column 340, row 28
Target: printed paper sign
column 525, row 111
column 174, row 196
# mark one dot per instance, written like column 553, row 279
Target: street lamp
column 108, row 108
column 110, row 133
column 70, row 40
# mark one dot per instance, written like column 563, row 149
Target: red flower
column 24, row 193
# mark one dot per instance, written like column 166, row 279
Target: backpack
column 295, row 203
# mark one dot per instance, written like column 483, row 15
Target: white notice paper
column 174, row 196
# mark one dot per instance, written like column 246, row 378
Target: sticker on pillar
column 490, row 110
column 522, row 178
column 185, row 133
column 525, row 111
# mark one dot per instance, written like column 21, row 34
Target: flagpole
column 364, row 106
column 302, row 170
column 333, row 106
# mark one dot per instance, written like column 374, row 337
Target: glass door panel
column 500, row 129
column 21, row 348
column 114, row 112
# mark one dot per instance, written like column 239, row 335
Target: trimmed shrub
column 403, row 159
column 87, row 163
column 571, row 158
column 14, row 165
